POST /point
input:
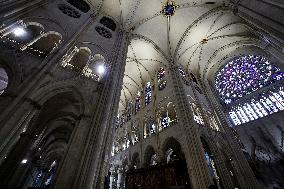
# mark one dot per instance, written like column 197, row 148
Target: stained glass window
column 162, row 85
column 245, row 75
column 137, row 102
column 161, row 74
column 165, row 122
column 150, row 128
column 148, row 95
column 267, row 104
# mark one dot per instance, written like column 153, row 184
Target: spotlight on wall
column 19, row 31
column 101, row 69
column 24, row 161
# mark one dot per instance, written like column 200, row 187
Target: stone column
column 12, row 169
column 67, row 172
column 197, row 168
column 11, row 130
column 244, row 173
column 91, row 172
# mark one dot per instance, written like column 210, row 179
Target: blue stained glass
column 148, row 95
column 137, row 103
column 245, row 75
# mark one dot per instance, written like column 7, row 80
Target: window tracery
column 150, row 128
column 69, row 11
column 148, row 93
column 245, row 75
column 266, row 104
column 103, row 32
column 167, row 116
column 109, row 23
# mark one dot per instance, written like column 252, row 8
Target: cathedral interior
column 142, row 94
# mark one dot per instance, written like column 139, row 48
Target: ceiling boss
column 169, row 8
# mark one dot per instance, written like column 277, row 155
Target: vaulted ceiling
column 197, row 36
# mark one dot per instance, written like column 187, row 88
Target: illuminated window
column 161, row 74
column 138, row 102
column 148, row 93
column 245, row 75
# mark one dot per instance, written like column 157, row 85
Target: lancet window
column 138, row 102
column 148, row 93
column 150, row 128
column 167, row 116
column 161, row 74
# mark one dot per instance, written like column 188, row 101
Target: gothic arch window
column 160, row 78
column 138, row 102
column 3, row 80
column 109, row 23
column 80, row 4
column 69, row 11
column 249, row 88
column 149, row 128
column 135, row 135
column 82, row 61
column 22, row 33
column 96, row 67
column 79, row 58
column 167, row 116
column 161, row 74
column 45, row 44
column 148, row 93
column 197, row 115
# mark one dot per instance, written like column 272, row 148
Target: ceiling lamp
column 101, row 69
column 19, row 31
column 169, row 8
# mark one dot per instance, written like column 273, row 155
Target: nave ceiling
column 198, row 35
